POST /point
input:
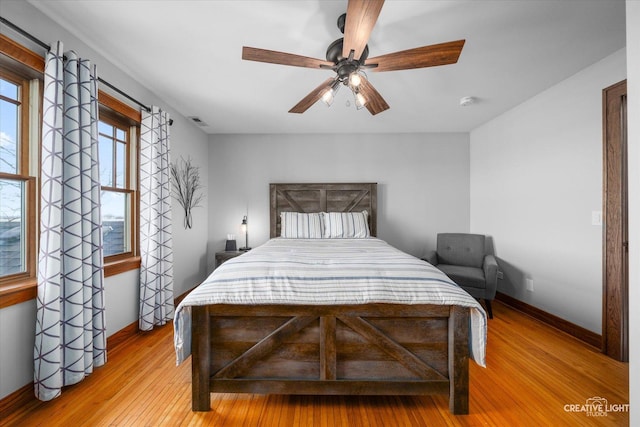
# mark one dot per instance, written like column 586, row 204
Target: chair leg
column 487, row 302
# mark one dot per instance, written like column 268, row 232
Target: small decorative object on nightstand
column 221, row 257
column 231, row 243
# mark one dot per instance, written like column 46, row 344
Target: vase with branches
column 185, row 180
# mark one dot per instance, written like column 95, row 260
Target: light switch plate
column 596, row 217
column 529, row 284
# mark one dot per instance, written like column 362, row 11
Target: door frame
column 615, row 254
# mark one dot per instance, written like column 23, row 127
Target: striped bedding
column 325, row 272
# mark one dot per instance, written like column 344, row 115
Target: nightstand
column 225, row 256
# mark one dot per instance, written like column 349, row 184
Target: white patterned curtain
column 70, row 322
column 156, row 269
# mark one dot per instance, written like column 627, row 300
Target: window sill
column 120, row 266
column 18, row 292
column 26, row 289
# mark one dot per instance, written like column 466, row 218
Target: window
column 21, row 74
column 118, row 197
column 17, row 183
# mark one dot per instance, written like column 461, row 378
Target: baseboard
column 122, row 335
column 572, row 329
column 25, row 395
column 18, row 399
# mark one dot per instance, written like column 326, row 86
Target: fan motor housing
column 345, row 68
column 334, row 52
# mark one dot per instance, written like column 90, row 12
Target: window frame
column 12, row 283
column 130, row 188
column 111, row 107
column 21, row 60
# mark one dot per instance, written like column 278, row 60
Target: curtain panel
column 70, row 319
column 156, row 252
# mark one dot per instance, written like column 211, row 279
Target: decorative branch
column 185, row 181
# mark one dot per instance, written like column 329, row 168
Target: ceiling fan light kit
column 349, row 55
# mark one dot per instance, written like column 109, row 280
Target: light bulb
column 360, row 100
column 327, row 98
column 355, row 80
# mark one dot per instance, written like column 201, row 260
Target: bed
column 324, row 316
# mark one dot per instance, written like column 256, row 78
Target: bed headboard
column 350, row 197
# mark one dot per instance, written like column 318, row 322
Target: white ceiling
column 189, row 54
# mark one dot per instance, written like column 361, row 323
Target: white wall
column 17, row 336
column 633, row 112
column 536, row 177
column 17, row 323
column 423, row 181
column 190, row 245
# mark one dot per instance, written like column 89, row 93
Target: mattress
column 328, row 272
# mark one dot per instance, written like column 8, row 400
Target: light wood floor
column 532, row 373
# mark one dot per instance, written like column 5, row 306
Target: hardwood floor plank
column 533, row 372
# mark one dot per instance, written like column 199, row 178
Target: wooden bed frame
column 371, row 349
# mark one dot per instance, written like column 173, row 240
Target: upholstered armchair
column 464, row 258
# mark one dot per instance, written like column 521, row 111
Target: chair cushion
column 465, row 277
column 460, row 249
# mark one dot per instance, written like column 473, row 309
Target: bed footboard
column 375, row 349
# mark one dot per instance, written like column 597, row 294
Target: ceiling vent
column 197, row 121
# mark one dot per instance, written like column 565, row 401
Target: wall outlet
column 500, row 275
column 529, row 284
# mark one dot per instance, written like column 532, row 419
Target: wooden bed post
column 200, row 359
column 459, row 360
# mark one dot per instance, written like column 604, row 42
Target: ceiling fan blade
column 275, row 57
column 361, row 18
column 420, row 57
column 375, row 102
column 312, row 97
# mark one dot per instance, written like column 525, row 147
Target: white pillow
column 297, row 225
column 346, row 225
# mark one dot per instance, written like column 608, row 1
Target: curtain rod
column 48, row 48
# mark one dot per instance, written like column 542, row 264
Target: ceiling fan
column 348, row 56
